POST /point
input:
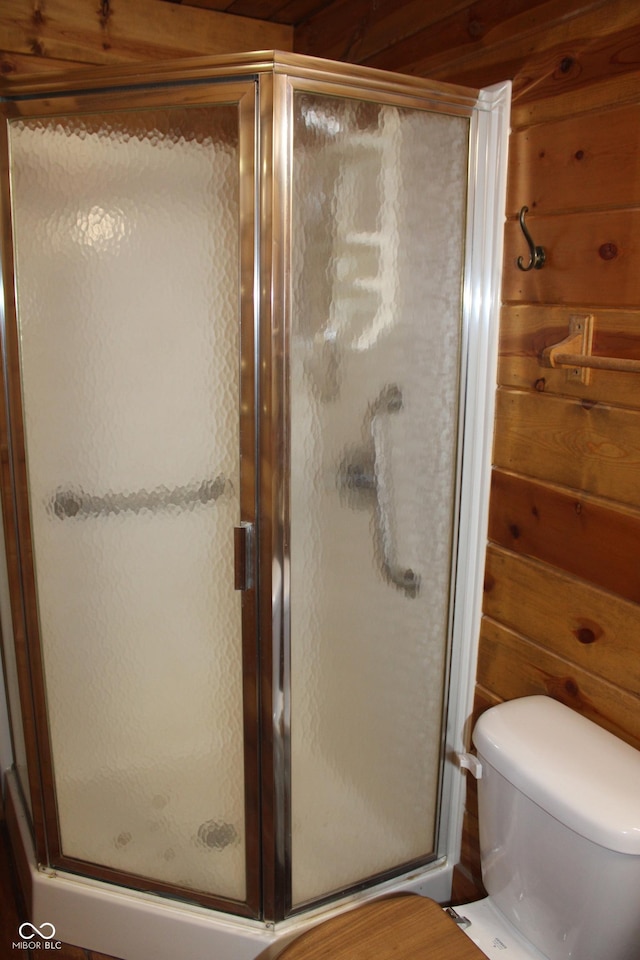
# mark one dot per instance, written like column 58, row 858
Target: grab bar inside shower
column 77, row 504
column 366, row 476
column 389, row 401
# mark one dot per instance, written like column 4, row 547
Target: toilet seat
column 407, row 927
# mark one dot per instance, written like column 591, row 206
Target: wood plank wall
column 562, row 600
column 37, row 36
column 562, row 603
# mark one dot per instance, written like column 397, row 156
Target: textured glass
column 378, row 243
column 126, row 232
column 11, row 677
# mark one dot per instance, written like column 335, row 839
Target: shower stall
column 248, row 357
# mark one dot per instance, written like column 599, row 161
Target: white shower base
column 134, row 926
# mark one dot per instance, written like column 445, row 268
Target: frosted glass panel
column 9, row 662
column 378, row 244
column 126, row 231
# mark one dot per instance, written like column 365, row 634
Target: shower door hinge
column 243, row 541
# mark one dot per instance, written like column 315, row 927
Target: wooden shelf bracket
column 574, row 349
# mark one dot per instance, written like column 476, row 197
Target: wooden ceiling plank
column 290, row 12
column 296, row 12
column 262, row 9
column 365, row 29
column 333, row 31
column 491, row 36
column 220, row 5
column 391, row 26
column 558, row 76
column 570, row 23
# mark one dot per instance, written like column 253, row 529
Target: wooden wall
column 562, row 603
column 38, row 36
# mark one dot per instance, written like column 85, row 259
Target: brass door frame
column 292, row 75
column 46, row 831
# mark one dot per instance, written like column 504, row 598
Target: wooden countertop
column 407, row 927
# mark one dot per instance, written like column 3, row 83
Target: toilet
column 559, row 813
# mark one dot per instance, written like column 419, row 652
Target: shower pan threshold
column 134, row 926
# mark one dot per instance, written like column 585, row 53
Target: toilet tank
column 559, row 809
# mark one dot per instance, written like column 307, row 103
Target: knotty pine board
column 593, row 447
column 510, row 665
column 525, row 331
column 574, row 619
column 587, row 537
column 132, row 30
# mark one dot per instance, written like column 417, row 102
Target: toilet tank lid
column 578, row 772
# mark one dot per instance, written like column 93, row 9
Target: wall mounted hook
column 537, row 255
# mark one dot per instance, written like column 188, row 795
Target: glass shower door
column 379, row 200
column 131, row 227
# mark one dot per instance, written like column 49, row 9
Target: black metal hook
column 537, row 255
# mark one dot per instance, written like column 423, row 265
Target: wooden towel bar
column 574, row 352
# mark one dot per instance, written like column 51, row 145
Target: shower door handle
column 244, row 550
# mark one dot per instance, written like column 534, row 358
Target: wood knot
column 563, row 689
column 571, row 688
column 587, row 632
column 608, row 251
column 568, row 68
